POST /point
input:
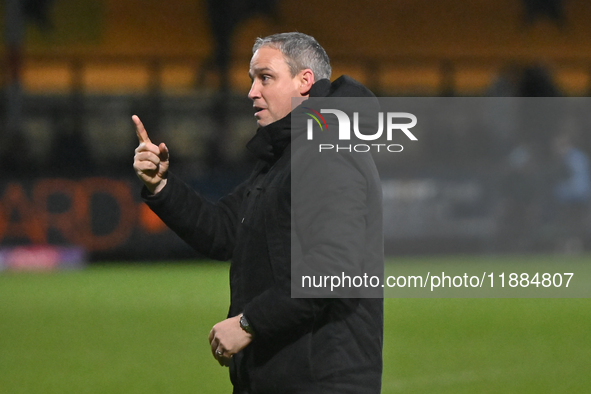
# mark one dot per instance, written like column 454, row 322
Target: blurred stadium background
column 74, row 71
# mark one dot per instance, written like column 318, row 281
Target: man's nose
column 254, row 92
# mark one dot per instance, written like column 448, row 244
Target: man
column 274, row 343
column 571, row 189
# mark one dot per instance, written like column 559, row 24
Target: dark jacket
column 302, row 345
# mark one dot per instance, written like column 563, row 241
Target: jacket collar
column 270, row 141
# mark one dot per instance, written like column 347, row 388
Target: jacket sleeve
column 329, row 222
column 206, row 226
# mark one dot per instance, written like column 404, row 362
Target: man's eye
column 265, row 77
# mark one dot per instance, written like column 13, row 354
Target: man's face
column 272, row 85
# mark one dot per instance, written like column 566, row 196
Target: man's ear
column 306, row 78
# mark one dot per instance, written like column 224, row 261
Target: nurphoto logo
column 344, row 131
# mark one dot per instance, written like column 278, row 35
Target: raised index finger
column 140, row 130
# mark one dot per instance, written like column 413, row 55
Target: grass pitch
column 143, row 329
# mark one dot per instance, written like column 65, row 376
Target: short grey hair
column 300, row 50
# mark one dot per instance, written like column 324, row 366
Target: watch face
column 244, row 324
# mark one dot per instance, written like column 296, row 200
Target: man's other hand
column 150, row 161
column 227, row 338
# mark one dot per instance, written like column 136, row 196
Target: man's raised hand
column 150, row 161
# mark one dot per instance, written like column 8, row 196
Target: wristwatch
column 244, row 325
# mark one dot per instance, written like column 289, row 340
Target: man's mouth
column 258, row 110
